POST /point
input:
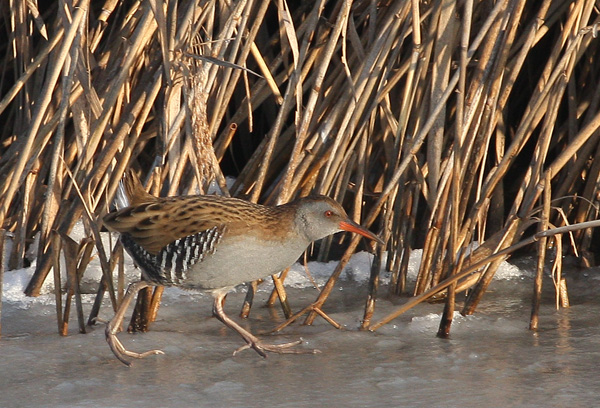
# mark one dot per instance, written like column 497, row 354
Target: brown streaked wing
column 155, row 225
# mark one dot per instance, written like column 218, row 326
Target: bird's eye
column 328, row 213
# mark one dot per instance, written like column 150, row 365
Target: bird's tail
column 131, row 191
column 121, row 199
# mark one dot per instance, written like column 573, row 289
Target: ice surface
column 491, row 359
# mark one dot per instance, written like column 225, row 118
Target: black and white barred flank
column 170, row 265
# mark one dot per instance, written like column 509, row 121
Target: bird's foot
column 120, row 351
column 285, row 348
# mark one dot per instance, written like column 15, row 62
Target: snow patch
column 16, row 281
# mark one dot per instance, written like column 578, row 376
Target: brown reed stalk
column 541, row 246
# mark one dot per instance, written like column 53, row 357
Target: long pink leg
column 115, row 325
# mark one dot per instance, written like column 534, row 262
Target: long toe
column 285, row 348
column 122, row 353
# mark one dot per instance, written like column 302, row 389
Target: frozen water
column 491, row 359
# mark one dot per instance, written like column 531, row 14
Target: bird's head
column 320, row 216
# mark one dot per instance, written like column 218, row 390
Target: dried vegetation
column 439, row 124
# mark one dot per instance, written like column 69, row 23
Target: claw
column 285, row 348
column 252, row 341
column 120, row 351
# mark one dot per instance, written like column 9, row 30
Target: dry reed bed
column 439, row 124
